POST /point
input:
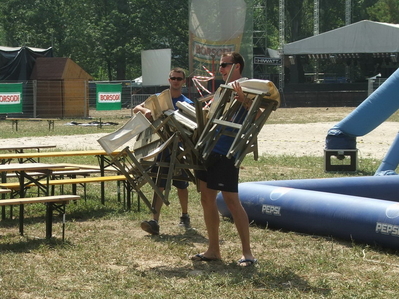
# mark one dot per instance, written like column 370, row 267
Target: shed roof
column 58, row 68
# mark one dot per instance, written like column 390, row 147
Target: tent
column 361, row 37
column 16, row 63
column 349, row 55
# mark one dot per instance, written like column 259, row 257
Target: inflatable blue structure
column 361, row 209
column 322, row 211
column 374, row 110
column 377, row 187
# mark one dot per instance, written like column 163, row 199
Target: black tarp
column 17, row 63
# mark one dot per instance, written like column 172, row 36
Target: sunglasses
column 224, row 64
column 176, row 78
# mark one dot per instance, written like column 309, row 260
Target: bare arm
column 141, row 108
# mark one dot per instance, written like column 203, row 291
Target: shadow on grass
column 83, row 215
column 14, row 242
column 188, row 236
column 27, row 244
column 262, row 276
column 343, row 242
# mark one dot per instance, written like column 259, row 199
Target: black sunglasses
column 176, row 78
column 224, row 64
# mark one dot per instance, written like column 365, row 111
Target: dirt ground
column 274, row 139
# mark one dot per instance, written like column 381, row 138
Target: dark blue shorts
column 220, row 173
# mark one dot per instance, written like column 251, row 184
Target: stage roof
column 361, row 37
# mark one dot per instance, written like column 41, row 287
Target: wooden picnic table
column 15, row 120
column 22, row 171
column 104, row 159
column 31, row 156
column 19, row 149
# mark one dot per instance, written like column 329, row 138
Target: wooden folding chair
column 228, row 118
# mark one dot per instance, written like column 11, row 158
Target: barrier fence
column 52, row 98
column 67, row 98
column 75, row 98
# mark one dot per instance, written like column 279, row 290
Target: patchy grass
column 107, row 255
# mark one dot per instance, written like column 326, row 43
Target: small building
column 62, row 88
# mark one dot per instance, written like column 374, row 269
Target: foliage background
column 106, row 37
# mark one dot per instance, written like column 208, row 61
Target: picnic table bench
column 15, row 186
column 104, row 162
column 54, row 202
column 15, row 120
column 20, row 148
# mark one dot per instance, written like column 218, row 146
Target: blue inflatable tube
column 391, row 159
column 380, row 187
column 361, row 219
column 374, row 110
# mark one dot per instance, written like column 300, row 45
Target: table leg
column 21, row 184
column 49, row 220
column 21, row 220
column 50, row 125
column 102, row 173
column 3, row 196
column 14, row 122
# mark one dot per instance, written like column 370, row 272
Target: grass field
column 106, row 255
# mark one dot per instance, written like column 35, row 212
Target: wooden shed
column 62, row 88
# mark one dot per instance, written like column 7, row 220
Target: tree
column 385, row 11
column 106, row 37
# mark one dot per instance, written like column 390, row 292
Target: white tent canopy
column 361, row 37
column 11, row 49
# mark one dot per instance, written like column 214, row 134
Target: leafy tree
column 2, row 36
column 385, row 11
column 106, row 37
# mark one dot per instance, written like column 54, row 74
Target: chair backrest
column 137, row 124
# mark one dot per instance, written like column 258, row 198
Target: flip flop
column 246, row 262
column 201, row 258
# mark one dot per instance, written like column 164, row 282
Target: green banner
column 109, row 96
column 10, row 97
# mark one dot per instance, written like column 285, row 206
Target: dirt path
column 280, row 139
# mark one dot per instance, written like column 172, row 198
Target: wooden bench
column 4, row 191
column 61, row 173
column 15, row 186
column 105, row 162
column 55, row 202
column 15, row 121
column 90, row 167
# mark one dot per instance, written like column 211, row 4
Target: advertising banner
column 10, row 97
column 217, row 27
column 109, row 96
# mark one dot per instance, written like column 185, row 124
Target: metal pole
column 85, row 101
column 34, row 83
column 281, row 41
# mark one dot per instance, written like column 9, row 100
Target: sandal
column 201, row 258
column 246, row 262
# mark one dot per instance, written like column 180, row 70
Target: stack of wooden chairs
column 182, row 140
